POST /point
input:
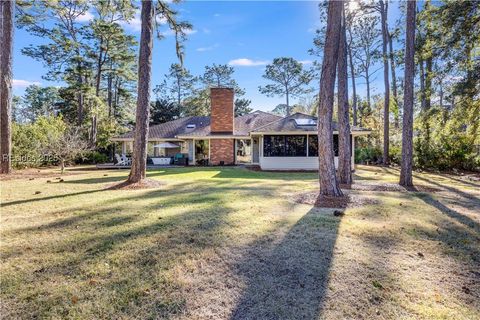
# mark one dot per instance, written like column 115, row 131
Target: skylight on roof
column 306, row 122
column 191, row 126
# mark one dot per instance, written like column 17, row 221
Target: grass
column 230, row 243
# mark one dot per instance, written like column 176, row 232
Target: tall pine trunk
column 6, row 57
column 352, row 75
column 394, row 77
column 139, row 159
column 386, row 101
column 328, row 180
column 406, row 178
column 344, row 172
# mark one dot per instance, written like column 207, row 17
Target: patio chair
column 119, row 160
column 126, row 160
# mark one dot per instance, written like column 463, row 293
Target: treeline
column 447, row 81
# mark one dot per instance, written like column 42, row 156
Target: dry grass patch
column 225, row 243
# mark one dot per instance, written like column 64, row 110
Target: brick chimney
column 222, row 110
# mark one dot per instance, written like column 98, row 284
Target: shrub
column 368, row 155
column 93, row 157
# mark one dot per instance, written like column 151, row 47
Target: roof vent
column 191, row 126
column 306, row 122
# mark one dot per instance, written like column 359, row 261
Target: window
column 313, row 145
column 284, row 146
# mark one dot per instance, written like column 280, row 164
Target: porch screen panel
column 284, row 146
column 296, row 146
column 313, row 145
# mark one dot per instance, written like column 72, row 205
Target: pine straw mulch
column 347, row 201
column 350, row 200
column 391, row 187
column 144, row 184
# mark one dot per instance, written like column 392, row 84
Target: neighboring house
column 267, row 140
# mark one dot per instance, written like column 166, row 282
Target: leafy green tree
column 178, row 85
column 366, row 40
column 163, row 110
column 242, row 107
column 66, row 48
column 217, row 76
column 38, row 101
column 289, row 79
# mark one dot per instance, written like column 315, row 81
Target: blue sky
column 246, row 34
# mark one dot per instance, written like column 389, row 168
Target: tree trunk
column 139, row 158
column 93, row 131
column 62, row 165
column 422, row 85
column 407, row 133
column 80, row 95
column 344, row 172
column 109, row 94
column 98, row 76
column 6, row 58
column 352, row 75
column 327, row 178
column 394, row 78
column 386, row 101
column 288, row 101
column 367, row 81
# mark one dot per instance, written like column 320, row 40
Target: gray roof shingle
column 243, row 124
column 173, row 128
column 288, row 124
column 257, row 121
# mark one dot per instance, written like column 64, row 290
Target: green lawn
column 225, row 243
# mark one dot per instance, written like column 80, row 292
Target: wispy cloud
column 206, row 30
column 244, row 62
column 306, row 62
column 209, row 48
column 86, row 17
column 170, row 32
column 216, row 15
column 135, row 24
column 17, row 83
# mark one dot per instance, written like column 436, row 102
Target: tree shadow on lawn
column 289, row 279
column 139, row 247
column 59, row 196
column 238, row 173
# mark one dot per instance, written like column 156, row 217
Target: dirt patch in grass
column 32, row 174
column 144, row 184
column 347, row 201
column 391, row 187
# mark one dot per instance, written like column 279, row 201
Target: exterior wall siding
column 222, row 110
column 222, row 150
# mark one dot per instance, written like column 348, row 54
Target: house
column 270, row 141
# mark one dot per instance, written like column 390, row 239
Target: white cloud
column 86, row 17
column 244, row 62
column 17, row 83
column 203, row 49
column 134, row 24
column 216, row 15
column 305, row 62
column 170, row 32
column 206, row 30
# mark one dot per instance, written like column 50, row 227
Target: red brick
column 221, row 150
column 222, row 110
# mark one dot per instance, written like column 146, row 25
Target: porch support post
column 307, row 144
column 124, row 147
